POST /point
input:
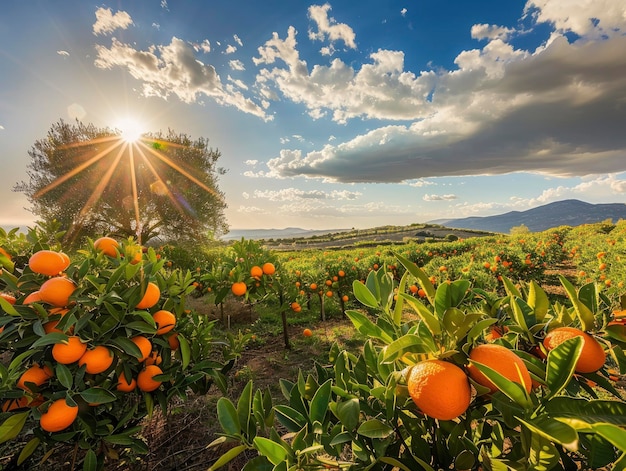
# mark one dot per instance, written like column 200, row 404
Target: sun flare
column 131, row 129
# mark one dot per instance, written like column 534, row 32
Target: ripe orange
column 57, row 291
column 154, row 359
column 307, row 332
column 345, row 298
column 165, row 321
column 8, row 298
column 150, row 297
column 592, row 356
column 295, row 307
column 502, row 360
column 269, row 268
column 439, row 389
column 70, row 351
column 107, row 245
column 239, row 288
column 59, row 416
column 96, row 360
column 329, row 294
column 313, row 286
column 173, row 341
column 256, row 272
column 36, row 375
column 145, row 380
column 125, row 386
column 48, row 262
column 33, row 297
column 144, row 345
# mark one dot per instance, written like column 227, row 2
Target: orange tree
column 423, row 395
column 93, row 345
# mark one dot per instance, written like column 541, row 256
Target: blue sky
column 340, row 114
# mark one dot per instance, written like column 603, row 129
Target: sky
column 336, row 115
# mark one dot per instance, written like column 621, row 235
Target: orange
column 125, row 386
column 439, row 389
column 313, row 286
column 33, row 297
column 150, row 297
column 51, row 326
column 239, row 288
column 256, row 272
column 48, row 262
column 269, row 268
column 145, row 379
column 345, row 298
column 96, row 360
column 592, row 356
column 59, row 416
column 8, row 298
column 14, row 404
column 107, row 245
column 295, row 307
column 144, row 345
column 307, row 332
column 70, row 351
column 173, row 341
column 501, row 360
column 57, row 291
column 154, row 359
column 36, row 375
column 329, row 294
column 165, row 321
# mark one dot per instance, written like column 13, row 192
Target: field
column 345, row 313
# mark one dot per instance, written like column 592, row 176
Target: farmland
column 372, row 312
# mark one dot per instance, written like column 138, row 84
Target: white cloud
column 63, row 53
column 328, row 28
column 485, row 31
column 204, row 46
column 164, row 5
column 293, row 194
column 403, row 12
column 251, row 162
column 238, row 40
column 107, row 21
column 439, row 197
column 230, row 49
column 236, row 65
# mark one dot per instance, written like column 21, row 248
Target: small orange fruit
column 295, row 307
column 345, row 298
column 269, row 268
column 144, row 345
column 57, row 291
column 145, row 379
column 439, row 389
column 70, row 351
column 126, row 386
column 48, row 262
column 96, row 360
column 165, row 321
column 173, row 341
column 8, row 298
column 33, row 297
column 107, row 245
column 307, row 332
column 154, row 359
column 150, row 297
column 313, row 286
column 59, row 416
column 239, row 288
column 501, row 360
column 36, row 375
column 329, row 294
column 256, row 272
column 592, row 356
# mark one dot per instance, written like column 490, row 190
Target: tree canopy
column 94, row 182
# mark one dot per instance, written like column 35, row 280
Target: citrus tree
column 457, row 378
column 92, row 343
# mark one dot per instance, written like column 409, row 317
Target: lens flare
column 131, row 129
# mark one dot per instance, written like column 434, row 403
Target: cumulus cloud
column 107, row 21
column 439, row 197
column 63, row 53
column 173, row 69
column 557, row 109
column 236, row 64
column 328, row 28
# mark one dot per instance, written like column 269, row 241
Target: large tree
column 95, row 182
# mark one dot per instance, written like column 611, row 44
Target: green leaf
column 512, row 390
column 399, row 307
column 431, row 321
column 374, row 428
column 185, row 351
column 8, row 307
column 522, row 313
column 98, row 395
column 589, row 411
column 457, row 323
column 510, row 288
column 585, row 315
column 290, row 418
column 395, row 463
column 538, row 300
column 12, row 427
column 227, row 417
column 367, row 327
column 450, row 295
column 244, row 406
column 28, row 450
column 421, row 276
column 127, row 346
column 364, row 295
column 553, row 430
column 561, row 363
column 543, row 455
column 615, row 435
column 228, row 457
column 319, row 403
column 271, row 450
column 49, row 339
column 91, row 461
column 408, row 343
column 65, row 376
column 348, row 413
column 477, row 329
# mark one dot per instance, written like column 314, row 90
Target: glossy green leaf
column 553, row 430
column 367, row 327
column 374, row 428
column 28, row 450
column 364, row 295
column 538, row 300
column 561, row 363
column 543, row 455
column 227, row 417
column 348, row 413
column 228, row 457
column 12, row 426
column 584, row 314
column 408, row 343
column 185, row 351
column 512, row 390
column 510, row 288
column 421, row 276
column 450, row 295
column 271, row 450
column 431, row 321
column 259, row 463
column 395, row 463
column 64, row 375
column 244, row 406
column 49, row 339
column 588, row 411
column 290, row 418
column 98, row 395
column 615, row 435
column 91, row 461
column 319, row 403
column 399, row 306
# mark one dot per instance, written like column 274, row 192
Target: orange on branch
column 164, row 320
column 239, row 288
column 59, row 416
column 48, row 262
column 503, row 361
column 150, row 297
column 256, row 272
column 107, row 245
column 35, row 374
column 96, row 360
column 592, row 356
column 126, row 386
column 144, row 345
column 145, row 379
column 69, row 351
column 269, row 268
column 57, row 291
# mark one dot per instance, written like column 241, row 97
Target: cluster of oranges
column 441, row 389
column 239, row 288
column 55, row 296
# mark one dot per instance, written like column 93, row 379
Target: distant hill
column 286, row 233
column 561, row 213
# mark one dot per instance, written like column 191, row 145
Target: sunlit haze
column 335, row 114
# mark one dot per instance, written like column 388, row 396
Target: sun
column 131, row 129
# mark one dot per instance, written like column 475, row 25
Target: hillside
column 561, row 213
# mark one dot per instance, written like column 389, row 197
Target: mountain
column 561, row 213
column 286, row 233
